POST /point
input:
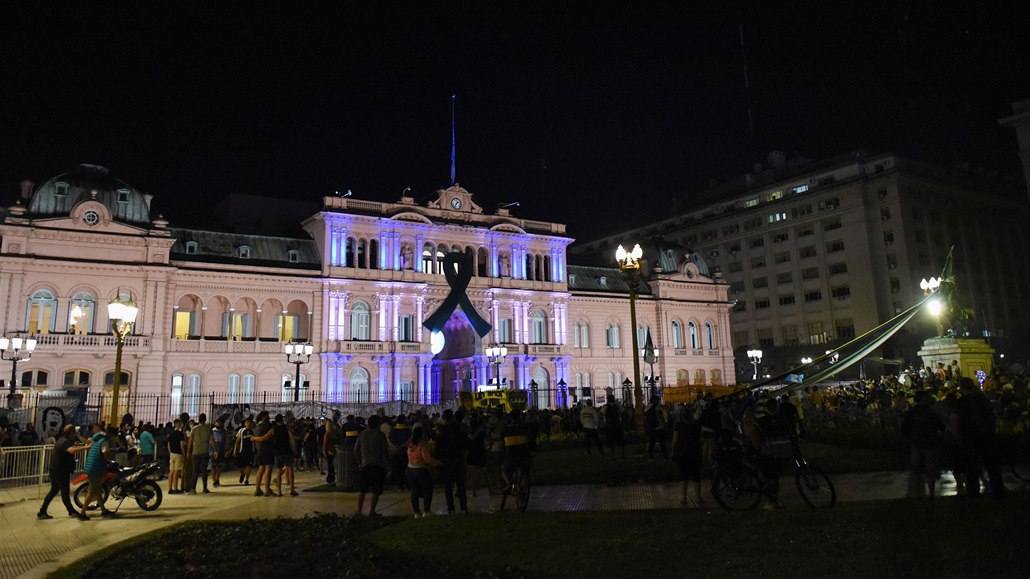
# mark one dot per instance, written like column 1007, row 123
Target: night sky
column 591, row 114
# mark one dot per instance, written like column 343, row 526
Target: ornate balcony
column 103, row 343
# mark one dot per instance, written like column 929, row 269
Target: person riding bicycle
column 518, row 441
column 772, row 426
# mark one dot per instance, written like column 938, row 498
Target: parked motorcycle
column 124, row 483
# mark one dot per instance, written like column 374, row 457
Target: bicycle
column 739, row 485
column 519, row 489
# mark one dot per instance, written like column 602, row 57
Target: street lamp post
column 755, row 356
column 629, row 266
column 297, row 353
column 563, row 392
column 650, row 362
column 496, row 355
column 122, row 312
column 14, row 350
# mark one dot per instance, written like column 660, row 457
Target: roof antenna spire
column 453, row 141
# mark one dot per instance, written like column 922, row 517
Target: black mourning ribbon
column 457, row 267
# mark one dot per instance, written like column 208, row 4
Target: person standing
column 371, row 452
column 451, row 444
column 613, row 433
column 588, row 418
column 330, row 440
column 924, row 430
column 283, row 447
column 686, row 452
column 654, row 424
column 176, row 450
column 398, row 438
column 96, row 467
column 265, row 454
column 146, row 444
column 243, row 448
column 199, row 450
column 62, row 464
column 218, row 452
column 420, row 459
column 978, row 442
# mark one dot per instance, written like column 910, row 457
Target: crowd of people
column 949, row 420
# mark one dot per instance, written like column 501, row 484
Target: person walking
column 330, row 440
column 371, row 451
column 95, row 467
column 198, row 448
column 283, row 445
column 420, row 460
column 147, row 448
column 219, row 452
column 62, row 464
column 265, row 454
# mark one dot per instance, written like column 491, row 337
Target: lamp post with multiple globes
column 297, row 353
column 121, row 311
column 14, row 350
column 496, row 355
column 755, row 357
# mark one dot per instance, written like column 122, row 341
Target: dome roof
column 59, row 195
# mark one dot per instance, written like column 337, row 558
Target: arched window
column 359, row 321
column 611, row 333
column 248, row 388
column 575, row 335
column 543, row 388
column 293, row 256
column 584, row 335
column 357, row 391
column 192, row 401
column 80, row 313
column 440, row 252
column 677, row 335
column 482, row 261
column 682, row 377
column 175, row 405
column 41, row 313
column 695, row 343
column 709, row 336
column 349, row 250
column 373, row 254
column 539, row 325
column 77, row 378
column 191, row 247
column 125, row 381
column 243, row 252
column 362, row 254
column 427, row 258
column 699, row 377
column 716, row 378
column 233, row 394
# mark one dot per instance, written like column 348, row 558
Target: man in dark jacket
column 923, row 428
column 451, row 444
column 977, row 440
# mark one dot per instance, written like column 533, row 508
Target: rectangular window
column 845, row 329
column 784, row 278
column 751, row 202
column 807, row 251
column 765, row 338
column 841, row 293
column 806, row 231
column 885, row 214
column 758, row 262
column 834, row 246
column 731, row 229
column 777, row 217
column 888, row 238
column 790, row 335
column 775, row 195
column 753, row 223
column 759, row 282
column 741, row 338
column 831, row 225
column 838, row 268
column 735, row 266
column 757, row 242
column 813, row 296
column 287, row 328
column 737, row 287
column 815, row 333
column 504, row 331
column 761, row 304
column 783, row 257
column 828, row 204
column 787, row 300
column 892, row 261
column 406, row 328
column 781, row 237
column 183, row 325
column 799, row 189
column 740, row 306
column 801, row 210
column 810, row 273
column 895, row 285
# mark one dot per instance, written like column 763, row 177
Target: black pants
column 421, row 482
column 982, row 455
column 653, row 436
column 59, row 483
column 591, row 435
column 200, row 462
column 453, row 473
column 330, row 476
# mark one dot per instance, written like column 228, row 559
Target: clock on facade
column 91, row 217
column 455, row 203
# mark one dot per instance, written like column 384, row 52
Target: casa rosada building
column 216, row 308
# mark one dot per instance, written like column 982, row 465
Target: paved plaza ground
column 35, row 548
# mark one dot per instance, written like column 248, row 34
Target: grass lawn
column 950, row 537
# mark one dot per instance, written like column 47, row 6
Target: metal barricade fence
column 29, row 465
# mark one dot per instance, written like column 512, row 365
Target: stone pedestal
column 972, row 354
